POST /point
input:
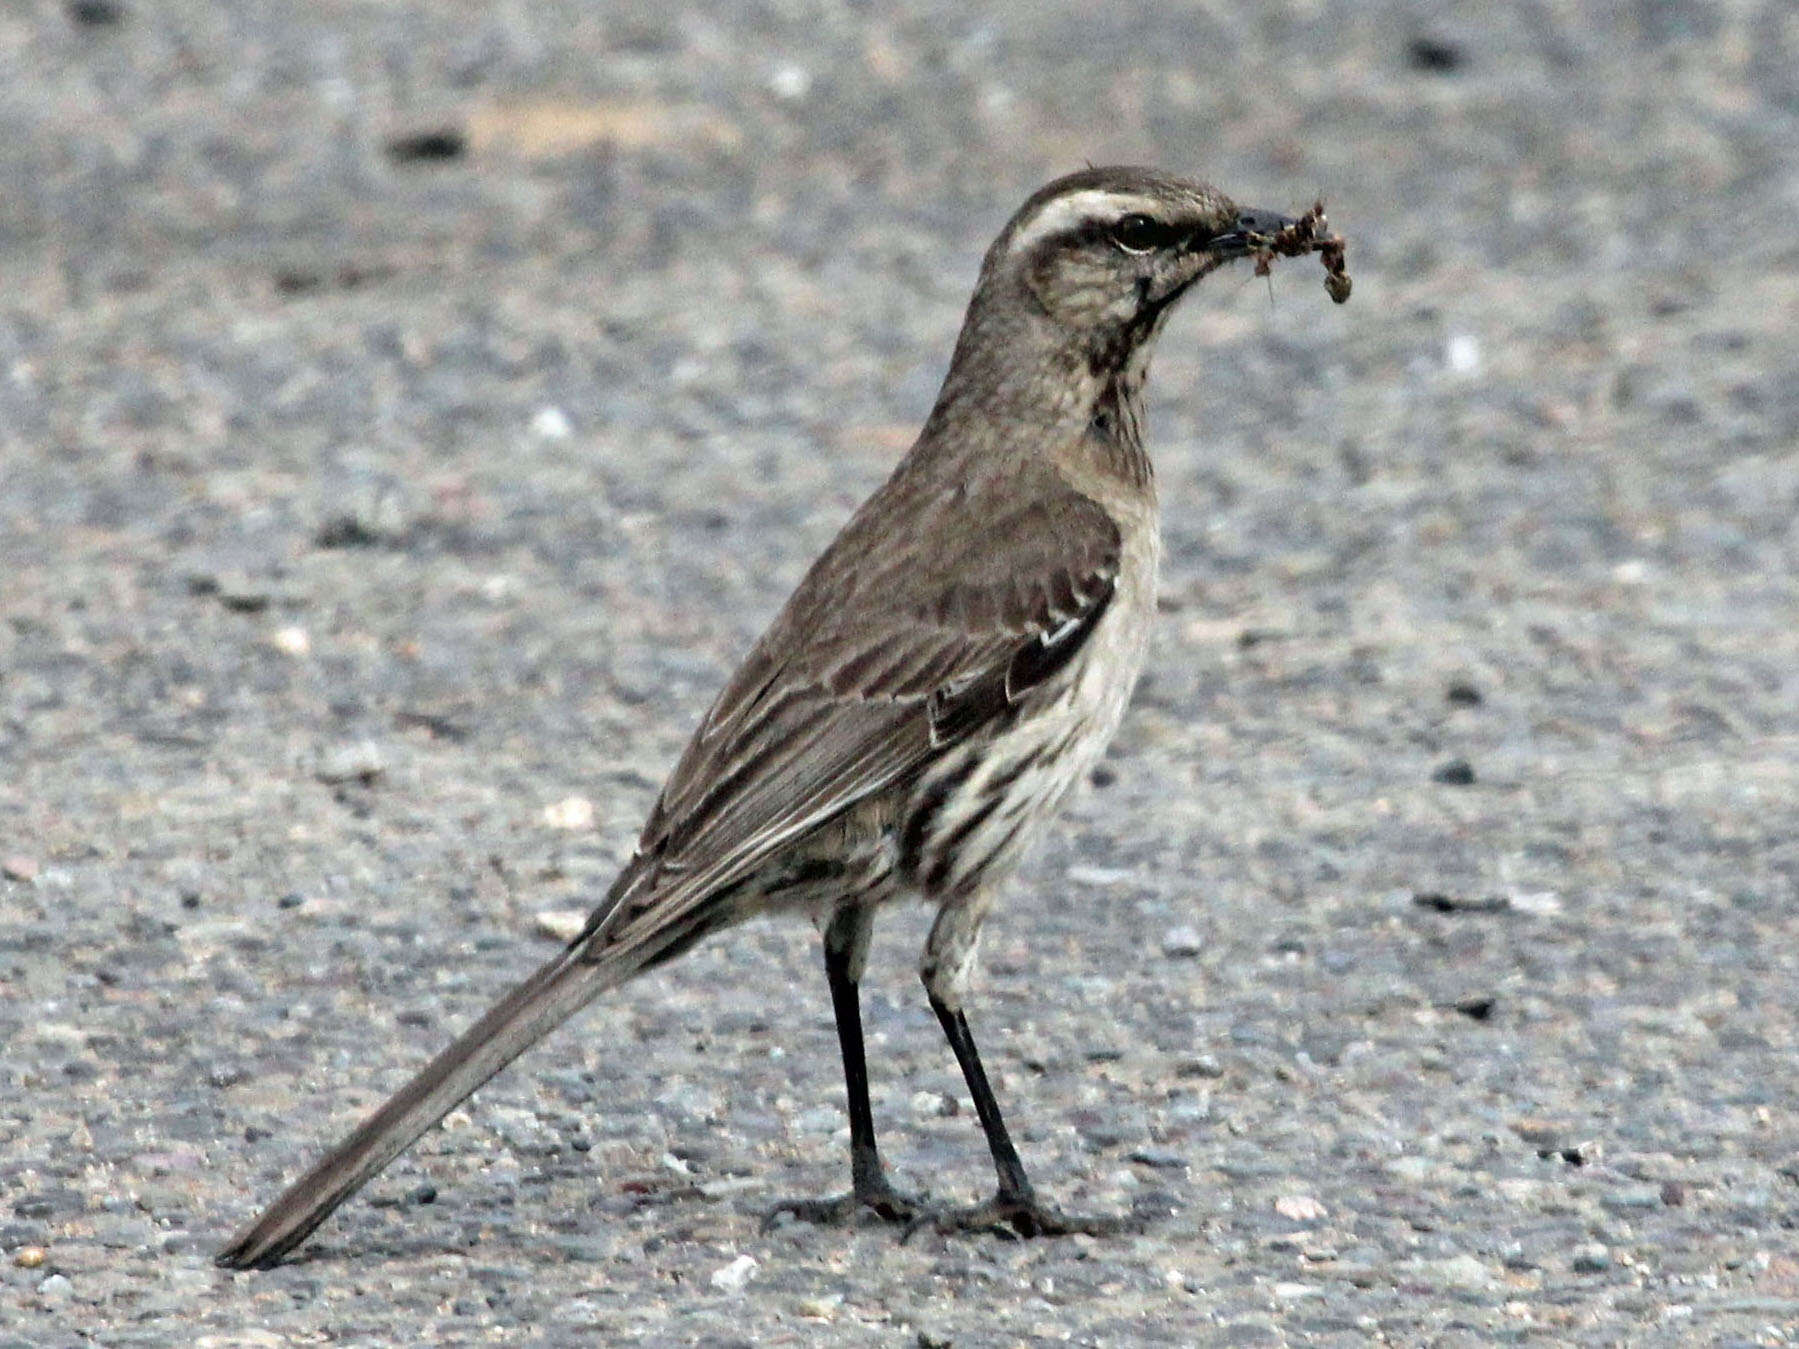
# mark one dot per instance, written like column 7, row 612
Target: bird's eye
column 1137, row 233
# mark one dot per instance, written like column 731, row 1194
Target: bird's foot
column 1019, row 1217
column 882, row 1200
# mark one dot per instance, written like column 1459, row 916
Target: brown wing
column 929, row 615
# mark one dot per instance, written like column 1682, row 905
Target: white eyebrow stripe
column 1061, row 214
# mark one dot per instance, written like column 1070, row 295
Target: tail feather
column 518, row 1021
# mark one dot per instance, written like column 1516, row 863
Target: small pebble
column 1182, row 943
column 1447, row 903
column 726, row 1186
column 1160, row 1158
column 932, row 1105
column 360, row 761
column 1455, row 773
column 1099, row 876
column 1300, row 1208
column 790, row 82
column 56, row 1288
column 20, row 868
column 572, row 812
column 551, row 423
column 1200, row 1065
column 243, row 593
column 1288, row 1291
column 1434, row 54
column 96, row 13
column 1461, row 1271
column 1537, row 903
column 433, row 145
column 1584, row 1153
column 731, row 1278
column 291, row 641
column 562, row 924
column 1461, row 354
column 29, row 1257
column 1592, row 1259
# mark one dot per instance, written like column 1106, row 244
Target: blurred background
column 409, row 412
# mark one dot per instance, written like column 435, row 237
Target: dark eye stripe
column 1158, row 234
column 1106, row 232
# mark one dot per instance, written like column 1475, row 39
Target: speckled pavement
column 409, row 412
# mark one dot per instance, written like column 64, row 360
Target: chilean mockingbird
column 953, row 664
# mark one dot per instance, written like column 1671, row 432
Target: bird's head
column 1105, row 252
column 1075, row 288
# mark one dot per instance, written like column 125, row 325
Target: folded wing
column 886, row 656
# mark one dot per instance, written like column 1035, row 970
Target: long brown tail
column 520, row 1019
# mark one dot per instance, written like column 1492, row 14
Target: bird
column 954, row 662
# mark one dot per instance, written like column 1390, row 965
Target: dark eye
column 1138, row 233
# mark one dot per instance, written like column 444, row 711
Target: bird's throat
column 1115, row 429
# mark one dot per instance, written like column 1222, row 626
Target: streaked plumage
column 954, row 662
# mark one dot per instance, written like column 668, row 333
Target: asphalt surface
column 409, row 412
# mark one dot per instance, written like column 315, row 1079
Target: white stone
column 1100, row 876
column 358, row 761
column 571, row 812
column 1537, row 903
column 1461, row 354
column 1182, row 943
column 291, row 641
column 1301, row 1208
column 1461, row 1271
column 791, row 82
column 551, row 423
column 731, row 1278
column 562, row 924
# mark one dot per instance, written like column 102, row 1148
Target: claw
column 885, row 1202
column 1019, row 1218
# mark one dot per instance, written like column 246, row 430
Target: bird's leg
column 846, row 953
column 1015, row 1210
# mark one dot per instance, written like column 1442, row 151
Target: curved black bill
column 1253, row 230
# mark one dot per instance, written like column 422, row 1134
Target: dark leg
column 846, row 950
column 1015, row 1210
column 1013, row 1183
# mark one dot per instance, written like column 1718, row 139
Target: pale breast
column 974, row 815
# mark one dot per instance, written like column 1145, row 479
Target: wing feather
column 889, row 653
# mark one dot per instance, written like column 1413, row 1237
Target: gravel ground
column 409, row 412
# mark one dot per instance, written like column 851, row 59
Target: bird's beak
column 1254, row 229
